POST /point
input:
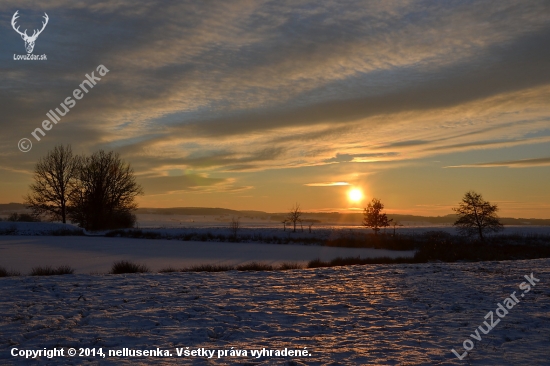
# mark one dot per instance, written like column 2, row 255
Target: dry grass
column 168, row 270
column 255, row 266
column 290, row 265
column 5, row 273
column 50, row 271
column 209, row 268
column 121, row 267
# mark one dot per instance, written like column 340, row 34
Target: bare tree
column 373, row 216
column 476, row 216
column 234, row 226
column 294, row 215
column 105, row 194
column 54, row 180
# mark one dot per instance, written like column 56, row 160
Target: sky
column 260, row 105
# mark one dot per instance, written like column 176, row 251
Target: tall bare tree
column 54, row 180
column 106, row 193
column 234, row 226
column 294, row 215
column 373, row 216
column 476, row 216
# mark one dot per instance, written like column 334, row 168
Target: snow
column 377, row 314
column 34, row 228
column 169, row 226
column 326, row 232
column 97, row 254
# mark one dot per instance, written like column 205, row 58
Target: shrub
column 287, row 266
column 135, row 233
column 377, row 241
column 6, row 273
column 441, row 248
column 128, row 267
column 209, row 268
column 479, row 251
column 50, row 271
column 168, row 270
column 66, row 232
column 350, row 261
column 114, row 233
column 317, row 263
column 122, row 219
column 11, row 230
column 255, row 266
column 437, row 235
column 15, row 217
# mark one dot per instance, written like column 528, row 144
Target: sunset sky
column 261, row 104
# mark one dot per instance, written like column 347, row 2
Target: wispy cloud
column 327, row 184
column 523, row 163
column 167, row 184
column 236, row 89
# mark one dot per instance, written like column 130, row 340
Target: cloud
column 247, row 86
column 167, row 184
column 327, row 184
column 524, row 163
column 357, row 158
column 406, row 143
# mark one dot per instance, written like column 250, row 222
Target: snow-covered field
column 357, row 315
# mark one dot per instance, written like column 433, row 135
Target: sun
column 355, row 195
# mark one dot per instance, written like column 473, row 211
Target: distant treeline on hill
column 11, row 207
column 321, row 217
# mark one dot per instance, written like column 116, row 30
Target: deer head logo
column 29, row 41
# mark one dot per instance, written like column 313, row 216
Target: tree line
column 97, row 192
column 476, row 217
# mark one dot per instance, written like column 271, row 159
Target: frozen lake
column 97, row 254
column 31, row 246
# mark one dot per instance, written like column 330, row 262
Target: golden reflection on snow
column 356, row 315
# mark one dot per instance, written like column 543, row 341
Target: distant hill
column 11, row 207
column 323, row 217
column 332, row 217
